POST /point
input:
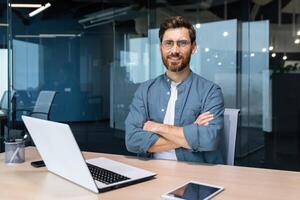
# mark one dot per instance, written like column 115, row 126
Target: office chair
column 4, row 113
column 43, row 105
column 4, row 102
column 229, row 136
column 40, row 110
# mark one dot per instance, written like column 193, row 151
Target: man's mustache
column 174, row 56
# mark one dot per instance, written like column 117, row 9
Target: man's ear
column 194, row 47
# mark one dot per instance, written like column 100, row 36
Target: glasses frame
column 169, row 44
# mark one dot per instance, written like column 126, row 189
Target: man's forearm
column 174, row 134
column 162, row 144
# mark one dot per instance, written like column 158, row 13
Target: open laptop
column 62, row 156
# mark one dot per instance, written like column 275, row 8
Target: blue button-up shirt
column 196, row 95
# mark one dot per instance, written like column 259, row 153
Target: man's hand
column 204, row 118
column 151, row 126
column 162, row 144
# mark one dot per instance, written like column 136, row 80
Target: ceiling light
column 219, row 63
column 216, row 56
column 252, row 54
column 264, row 49
column 271, row 48
column 33, row 13
column 225, row 33
column 273, row 55
column 298, row 33
column 297, row 41
column 198, row 25
column 3, row 24
column 51, row 35
column 105, row 16
column 19, row 5
column 284, row 57
column 206, row 49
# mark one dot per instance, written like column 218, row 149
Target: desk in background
column 25, row 182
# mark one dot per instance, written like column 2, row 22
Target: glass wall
column 94, row 55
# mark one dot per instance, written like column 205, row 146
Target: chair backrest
column 230, row 130
column 43, row 104
column 4, row 100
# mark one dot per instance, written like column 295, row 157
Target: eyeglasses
column 168, row 44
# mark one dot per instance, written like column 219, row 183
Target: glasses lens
column 182, row 43
column 168, row 43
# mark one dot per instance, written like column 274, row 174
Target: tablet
column 193, row 190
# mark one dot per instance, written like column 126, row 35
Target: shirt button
column 162, row 110
column 168, row 93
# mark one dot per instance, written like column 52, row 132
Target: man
column 178, row 115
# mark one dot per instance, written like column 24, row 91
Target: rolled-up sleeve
column 137, row 140
column 207, row 138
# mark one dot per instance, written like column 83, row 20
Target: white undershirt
column 169, row 119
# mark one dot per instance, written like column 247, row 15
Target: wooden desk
column 25, row 182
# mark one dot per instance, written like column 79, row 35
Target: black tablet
column 193, row 191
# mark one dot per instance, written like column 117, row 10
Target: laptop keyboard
column 105, row 176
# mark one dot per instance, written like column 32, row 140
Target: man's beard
column 179, row 67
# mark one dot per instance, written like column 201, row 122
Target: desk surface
column 25, row 182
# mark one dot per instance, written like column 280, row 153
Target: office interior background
column 95, row 53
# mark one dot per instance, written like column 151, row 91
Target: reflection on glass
column 26, row 64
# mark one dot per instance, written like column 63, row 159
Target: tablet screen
column 194, row 191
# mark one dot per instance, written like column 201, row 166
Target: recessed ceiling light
column 21, row 5
column 271, row 48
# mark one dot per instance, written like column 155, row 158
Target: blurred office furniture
column 43, row 105
column 4, row 111
column 41, row 109
column 229, row 134
column 4, row 103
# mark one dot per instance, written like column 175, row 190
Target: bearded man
column 178, row 115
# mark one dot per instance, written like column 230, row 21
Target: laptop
column 62, row 156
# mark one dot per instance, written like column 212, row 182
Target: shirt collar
column 186, row 81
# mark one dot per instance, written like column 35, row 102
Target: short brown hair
column 177, row 22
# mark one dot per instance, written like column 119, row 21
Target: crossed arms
column 172, row 137
column 143, row 136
